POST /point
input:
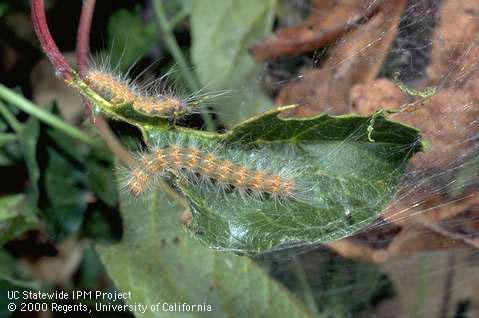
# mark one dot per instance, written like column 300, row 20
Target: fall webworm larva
column 225, row 168
column 221, row 168
column 152, row 98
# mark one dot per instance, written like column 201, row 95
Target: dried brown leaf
column 356, row 59
column 327, row 22
column 455, row 49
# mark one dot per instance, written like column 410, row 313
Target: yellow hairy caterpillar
column 153, row 97
column 214, row 168
column 119, row 90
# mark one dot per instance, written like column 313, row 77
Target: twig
column 177, row 18
column 82, row 52
column 10, row 118
column 307, row 292
column 112, row 142
column 179, row 58
column 454, row 236
column 52, row 120
column 7, row 137
column 83, row 35
column 63, row 70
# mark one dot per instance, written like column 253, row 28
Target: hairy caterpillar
column 154, row 98
column 120, row 90
column 221, row 168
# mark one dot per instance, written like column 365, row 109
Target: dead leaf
column 437, row 284
column 455, row 49
column 350, row 62
column 328, row 21
column 381, row 93
column 59, row 269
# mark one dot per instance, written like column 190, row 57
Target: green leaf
column 66, row 203
column 7, row 264
column 17, row 215
column 5, row 287
column 27, row 134
column 28, row 137
column 159, row 263
column 8, row 284
column 335, row 286
column 350, row 165
column 3, row 125
column 66, row 183
column 222, row 31
column 173, row 7
column 91, row 270
column 8, row 270
column 101, row 181
column 102, row 224
column 6, row 138
column 3, row 9
column 349, row 180
column 130, row 37
column 97, row 162
column 271, row 127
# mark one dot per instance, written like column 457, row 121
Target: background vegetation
column 63, row 225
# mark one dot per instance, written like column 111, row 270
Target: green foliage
column 16, row 216
column 350, row 178
column 347, row 177
column 18, row 211
column 327, row 282
column 7, row 263
column 56, row 192
column 222, row 31
column 175, row 7
column 3, row 9
column 130, row 37
column 66, row 185
column 57, row 185
column 100, row 178
column 9, row 285
column 158, row 262
column 28, row 138
column 66, row 204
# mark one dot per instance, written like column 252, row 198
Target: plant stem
column 10, row 118
column 83, row 35
column 52, row 120
column 309, row 300
column 179, row 58
column 173, row 46
column 82, row 51
column 6, row 137
column 177, row 18
column 40, row 25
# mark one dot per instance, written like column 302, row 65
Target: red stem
column 62, row 68
column 82, row 52
column 83, row 35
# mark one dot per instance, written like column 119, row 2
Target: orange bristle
column 118, row 91
column 192, row 161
